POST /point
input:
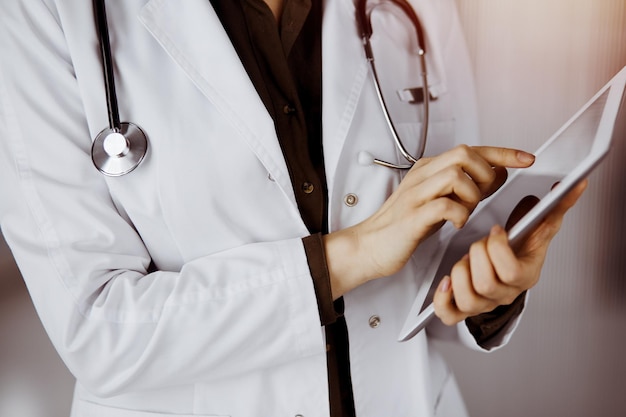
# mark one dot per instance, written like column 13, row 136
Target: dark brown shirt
column 284, row 61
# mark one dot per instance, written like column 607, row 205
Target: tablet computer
column 560, row 163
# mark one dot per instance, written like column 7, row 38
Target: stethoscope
column 364, row 23
column 121, row 147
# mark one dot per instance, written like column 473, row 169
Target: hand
column 439, row 189
column 493, row 273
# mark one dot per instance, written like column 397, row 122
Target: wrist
column 347, row 267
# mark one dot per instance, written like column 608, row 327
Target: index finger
column 499, row 159
column 505, row 157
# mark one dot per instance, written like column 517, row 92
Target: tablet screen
column 565, row 159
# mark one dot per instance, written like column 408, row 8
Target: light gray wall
column 33, row 380
column 536, row 63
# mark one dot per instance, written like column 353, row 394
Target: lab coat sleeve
column 118, row 326
column 462, row 334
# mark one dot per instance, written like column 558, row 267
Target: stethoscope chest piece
column 121, row 147
column 116, row 152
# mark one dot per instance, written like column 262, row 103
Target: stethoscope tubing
column 365, row 27
column 107, row 64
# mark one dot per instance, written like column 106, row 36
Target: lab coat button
column 351, row 200
column 307, row 187
column 289, row 109
column 374, row 322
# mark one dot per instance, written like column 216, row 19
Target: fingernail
column 525, row 157
column 444, row 285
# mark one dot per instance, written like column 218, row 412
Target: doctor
column 252, row 265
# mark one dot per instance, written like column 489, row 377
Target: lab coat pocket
column 441, row 136
column 89, row 409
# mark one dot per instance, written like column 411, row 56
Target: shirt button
column 374, row 322
column 307, row 187
column 351, row 200
column 289, row 109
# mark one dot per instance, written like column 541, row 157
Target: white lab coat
column 227, row 324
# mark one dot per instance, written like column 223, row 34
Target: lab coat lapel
column 192, row 35
column 344, row 71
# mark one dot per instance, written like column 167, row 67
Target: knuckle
column 508, row 277
column 511, row 275
column 462, row 152
column 466, row 305
column 486, row 288
column 445, row 205
column 454, row 174
column 491, row 175
column 463, row 148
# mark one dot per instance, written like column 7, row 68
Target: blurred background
column 536, row 62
